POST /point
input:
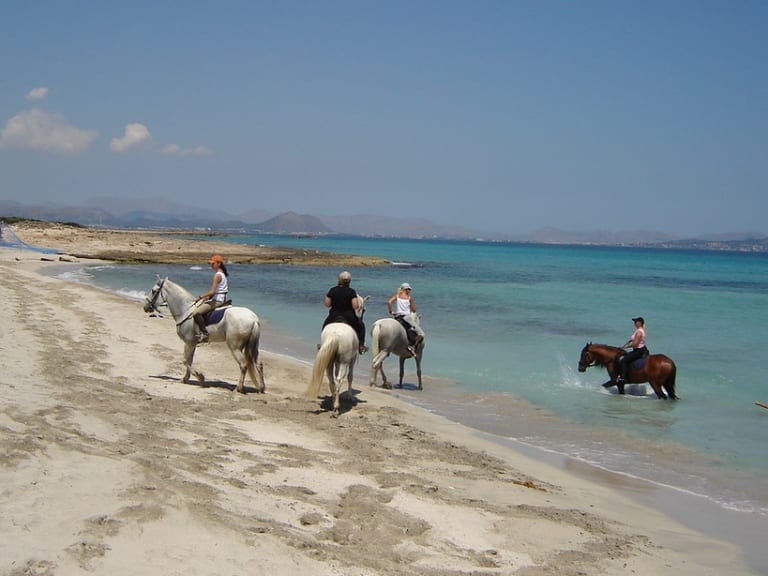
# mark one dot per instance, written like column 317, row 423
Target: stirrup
column 362, row 349
column 412, row 350
column 202, row 338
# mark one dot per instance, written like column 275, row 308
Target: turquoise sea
column 505, row 324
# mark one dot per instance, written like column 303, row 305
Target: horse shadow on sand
column 347, row 401
column 207, row 384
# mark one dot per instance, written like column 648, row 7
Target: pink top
column 639, row 336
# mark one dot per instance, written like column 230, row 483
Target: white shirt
column 222, row 289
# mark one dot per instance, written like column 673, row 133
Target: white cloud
column 176, row 150
column 39, row 130
column 135, row 134
column 37, row 94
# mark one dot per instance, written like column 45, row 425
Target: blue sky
column 502, row 116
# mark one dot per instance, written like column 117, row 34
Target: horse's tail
column 670, row 382
column 328, row 350
column 255, row 370
column 375, row 345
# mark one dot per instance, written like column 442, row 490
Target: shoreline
column 544, row 496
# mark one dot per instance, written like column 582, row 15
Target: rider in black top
column 342, row 303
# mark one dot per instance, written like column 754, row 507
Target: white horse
column 237, row 326
column 389, row 336
column 336, row 357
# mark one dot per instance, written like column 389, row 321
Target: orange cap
column 216, row 258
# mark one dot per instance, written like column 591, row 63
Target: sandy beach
column 110, row 465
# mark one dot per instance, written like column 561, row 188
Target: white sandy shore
column 111, row 466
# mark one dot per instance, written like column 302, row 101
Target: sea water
column 505, row 325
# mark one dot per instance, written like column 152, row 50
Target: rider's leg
column 621, row 368
column 415, row 337
column 626, row 360
column 199, row 317
column 360, row 329
column 200, row 321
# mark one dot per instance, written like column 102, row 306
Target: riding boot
column 200, row 322
column 413, row 348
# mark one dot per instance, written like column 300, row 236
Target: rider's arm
column 413, row 304
column 389, row 302
column 327, row 302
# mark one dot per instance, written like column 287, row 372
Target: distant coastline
column 366, row 226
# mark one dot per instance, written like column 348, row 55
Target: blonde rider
column 639, row 349
column 401, row 306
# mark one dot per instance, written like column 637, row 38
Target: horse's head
column 586, row 359
column 151, row 302
column 360, row 311
column 597, row 355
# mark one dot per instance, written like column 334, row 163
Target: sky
column 501, row 116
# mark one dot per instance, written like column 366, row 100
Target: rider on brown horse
column 639, row 349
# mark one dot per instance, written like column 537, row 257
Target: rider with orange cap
column 214, row 298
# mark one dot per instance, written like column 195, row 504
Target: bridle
column 156, row 293
column 590, row 360
column 151, row 302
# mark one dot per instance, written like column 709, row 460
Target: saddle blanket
column 215, row 315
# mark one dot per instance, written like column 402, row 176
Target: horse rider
column 214, row 298
column 639, row 349
column 404, row 306
column 342, row 302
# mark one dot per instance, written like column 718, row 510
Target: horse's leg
column 664, row 374
column 612, row 381
column 331, row 373
column 620, row 385
column 261, row 386
column 341, row 375
column 418, row 369
column 241, row 360
column 402, row 371
column 657, row 388
column 378, row 366
column 189, row 356
column 350, row 377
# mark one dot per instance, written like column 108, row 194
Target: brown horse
column 659, row 370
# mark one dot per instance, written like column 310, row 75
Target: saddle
column 637, row 363
column 216, row 315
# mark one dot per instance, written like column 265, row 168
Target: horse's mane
column 186, row 293
column 608, row 348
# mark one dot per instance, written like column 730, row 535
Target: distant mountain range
column 153, row 213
